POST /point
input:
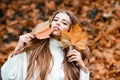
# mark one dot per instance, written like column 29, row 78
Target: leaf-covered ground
column 99, row 18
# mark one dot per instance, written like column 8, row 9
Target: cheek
column 65, row 27
column 52, row 25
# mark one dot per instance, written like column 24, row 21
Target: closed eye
column 64, row 23
column 55, row 19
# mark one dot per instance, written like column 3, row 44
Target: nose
column 58, row 24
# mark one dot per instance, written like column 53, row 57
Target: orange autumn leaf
column 42, row 31
column 76, row 37
column 65, row 35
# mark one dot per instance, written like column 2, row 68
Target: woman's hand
column 24, row 41
column 75, row 56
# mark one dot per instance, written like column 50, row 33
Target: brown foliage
column 99, row 18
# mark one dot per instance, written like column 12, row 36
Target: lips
column 56, row 28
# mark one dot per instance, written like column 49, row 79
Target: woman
column 44, row 59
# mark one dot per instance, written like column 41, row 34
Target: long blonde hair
column 40, row 57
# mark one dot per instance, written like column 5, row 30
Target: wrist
column 18, row 48
column 16, row 51
column 13, row 53
column 84, row 69
column 81, row 64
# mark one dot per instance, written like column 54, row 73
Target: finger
column 26, row 44
column 27, row 36
column 31, row 36
column 70, row 58
column 70, row 54
column 73, row 60
column 75, row 51
column 26, row 39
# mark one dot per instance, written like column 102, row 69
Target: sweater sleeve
column 15, row 68
column 84, row 76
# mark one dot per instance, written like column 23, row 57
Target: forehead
column 62, row 16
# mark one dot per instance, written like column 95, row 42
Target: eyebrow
column 63, row 19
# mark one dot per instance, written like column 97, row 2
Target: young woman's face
column 60, row 22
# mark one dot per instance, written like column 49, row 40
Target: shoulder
column 13, row 65
column 19, row 57
column 15, row 60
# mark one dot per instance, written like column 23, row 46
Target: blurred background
column 99, row 18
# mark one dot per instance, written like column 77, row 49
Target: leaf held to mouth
column 42, row 31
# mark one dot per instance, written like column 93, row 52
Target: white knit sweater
column 15, row 68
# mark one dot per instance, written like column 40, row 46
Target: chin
column 57, row 34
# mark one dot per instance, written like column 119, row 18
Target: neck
column 55, row 37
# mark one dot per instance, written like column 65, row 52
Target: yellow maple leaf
column 65, row 35
column 76, row 37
